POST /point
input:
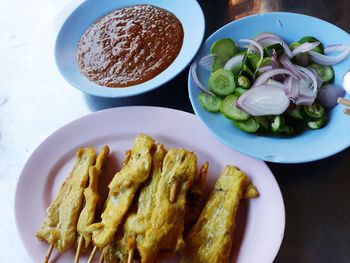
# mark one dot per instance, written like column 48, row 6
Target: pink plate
column 260, row 222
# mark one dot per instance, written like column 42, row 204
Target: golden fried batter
column 165, row 232
column 92, row 197
column 210, row 240
column 194, row 203
column 122, row 190
column 59, row 228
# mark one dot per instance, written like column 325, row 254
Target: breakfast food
column 270, row 87
column 153, row 208
column 60, row 226
column 210, row 239
column 129, row 46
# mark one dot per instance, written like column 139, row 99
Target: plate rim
column 133, row 90
column 37, row 150
column 244, row 151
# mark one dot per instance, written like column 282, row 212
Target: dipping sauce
column 129, row 46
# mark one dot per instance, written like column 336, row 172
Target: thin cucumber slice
column 295, row 113
column 230, row 110
column 234, row 64
column 219, row 62
column 222, row 82
column 263, row 122
column 209, row 102
column 249, row 125
column 326, row 73
column 224, row 47
column 239, row 91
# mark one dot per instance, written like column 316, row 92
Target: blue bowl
column 311, row 145
column 187, row 11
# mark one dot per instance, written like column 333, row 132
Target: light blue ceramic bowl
column 187, row 11
column 308, row 146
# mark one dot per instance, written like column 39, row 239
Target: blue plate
column 311, row 145
column 187, row 11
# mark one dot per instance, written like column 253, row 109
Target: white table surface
column 30, row 84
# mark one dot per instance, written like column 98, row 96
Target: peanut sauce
column 129, row 46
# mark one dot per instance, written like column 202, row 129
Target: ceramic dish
column 187, row 11
column 310, row 145
column 260, row 225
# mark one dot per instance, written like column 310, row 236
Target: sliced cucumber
column 235, row 64
column 326, row 73
column 230, row 110
column 239, row 91
column 254, row 60
column 224, row 47
column 219, row 62
column 249, row 125
column 263, row 122
column 209, row 102
column 310, row 39
column 222, row 82
column 277, row 47
column 295, row 113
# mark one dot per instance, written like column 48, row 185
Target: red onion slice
column 318, row 78
column 269, row 74
column 264, row 100
column 259, row 47
column 196, row 80
column 207, row 62
column 329, row 94
column 310, row 75
column 267, row 39
column 287, row 64
column 330, row 60
column 265, row 68
column 305, row 47
column 234, row 64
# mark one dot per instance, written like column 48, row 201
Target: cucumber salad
column 266, row 85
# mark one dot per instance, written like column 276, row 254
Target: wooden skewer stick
column 131, row 256
column 92, row 255
column 343, row 101
column 48, row 254
column 77, row 254
column 102, row 258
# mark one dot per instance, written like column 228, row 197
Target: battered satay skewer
column 210, row 239
column 139, row 216
column 165, row 231
column 92, row 199
column 59, row 227
column 122, row 190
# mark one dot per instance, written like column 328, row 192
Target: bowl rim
column 106, row 92
column 246, row 151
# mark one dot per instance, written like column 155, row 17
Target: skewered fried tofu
column 122, row 190
column 165, row 232
column 92, row 197
column 210, row 240
column 59, row 227
column 139, row 219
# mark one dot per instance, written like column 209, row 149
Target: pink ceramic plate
column 260, row 223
